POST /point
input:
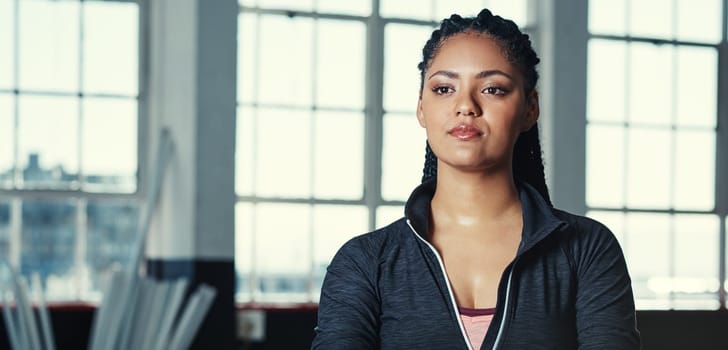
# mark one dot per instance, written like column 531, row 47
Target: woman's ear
column 532, row 111
column 420, row 114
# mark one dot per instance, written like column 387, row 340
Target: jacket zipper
column 452, row 295
column 505, row 307
column 447, row 283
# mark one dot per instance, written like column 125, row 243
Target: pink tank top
column 476, row 322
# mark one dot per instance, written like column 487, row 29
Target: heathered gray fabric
column 569, row 290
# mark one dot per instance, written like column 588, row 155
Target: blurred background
column 320, row 143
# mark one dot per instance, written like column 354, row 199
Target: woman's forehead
column 471, row 50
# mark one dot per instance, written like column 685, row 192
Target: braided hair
column 516, row 47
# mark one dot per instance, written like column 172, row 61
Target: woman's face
column 473, row 104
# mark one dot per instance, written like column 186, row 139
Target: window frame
column 720, row 209
column 374, row 113
column 77, row 195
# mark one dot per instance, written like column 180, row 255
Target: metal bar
column 16, row 224
column 80, row 94
column 143, row 122
column 339, row 16
column 312, row 163
column 656, row 41
column 79, row 134
column 628, row 124
column 16, row 82
column 312, row 107
column 670, row 211
column 373, row 124
column 721, row 155
column 359, row 202
column 80, row 247
column 52, row 194
column 301, row 13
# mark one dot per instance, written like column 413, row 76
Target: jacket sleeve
column 348, row 315
column 605, row 311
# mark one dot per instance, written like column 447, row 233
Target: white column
column 191, row 80
column 192, row 90
column 562, row 45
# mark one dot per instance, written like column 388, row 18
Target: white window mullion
column 373, row 133
column 81, row 269
column 16, row 224
column 721, row 155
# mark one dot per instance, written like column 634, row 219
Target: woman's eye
column 442, row 90
column 493, row 90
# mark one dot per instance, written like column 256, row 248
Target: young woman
column 481, row 259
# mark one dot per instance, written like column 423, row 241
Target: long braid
column 527, row 156
column 430, row 168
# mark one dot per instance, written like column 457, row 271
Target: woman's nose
column 468, row 107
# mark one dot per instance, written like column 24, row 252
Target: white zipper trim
column 447, row 283
column 505, row 308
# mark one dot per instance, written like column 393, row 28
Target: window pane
column 651, row 18
column 283, row 153
column 48, row 154
column 7, row 32
column 285, row 64
column 605, row 166
column 646, row 247
column 699, row 20
column 695, row 284
column 340, row 64
column 333, row 226
column 339, row 155
column 112, row 230
column 387, row 214
column 49, row 42
column 404, row 9
column 110, row 143
column 244, row 250
column 247, row 43
column 48, row 239
column 7, row 138
column 515, row 10
column 4, row 229
column 111, row 47
column 697, row 86
column 402, row 52
column 607, row 17
column 649, row 100
column 445, row 8
column 649, row 168
column 283, row 251
column 349, row 7
column 403, row 156
column 245, row 151
column 695, row 170
column 606, row 80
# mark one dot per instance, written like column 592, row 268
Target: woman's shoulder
column 587, row 239
column 379, row 242
column 583, row 230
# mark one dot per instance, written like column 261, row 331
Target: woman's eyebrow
column 481, row 75
column 488, row 73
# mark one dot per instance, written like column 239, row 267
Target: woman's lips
column 465, row 132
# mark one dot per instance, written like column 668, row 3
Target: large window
column 651, row 144
column 69, row 101
column 328, row 146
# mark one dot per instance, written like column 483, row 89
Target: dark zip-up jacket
column 567, row 288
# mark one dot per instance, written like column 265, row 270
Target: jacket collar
column 539, row 219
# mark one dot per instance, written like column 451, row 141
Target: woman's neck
column 469, row 198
